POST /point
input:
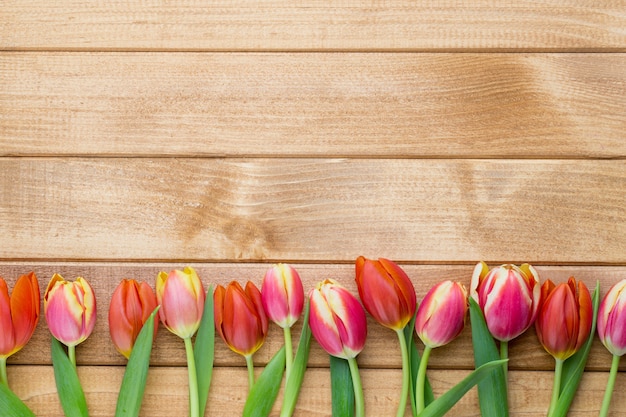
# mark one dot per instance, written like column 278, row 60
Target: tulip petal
column 7, row 336
column 25, row 304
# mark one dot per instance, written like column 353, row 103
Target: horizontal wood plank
column 318, row 104
column 166, row 392
column 314, row 25
column 564, row 211
column 525, row 352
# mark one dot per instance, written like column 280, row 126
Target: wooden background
column 145, row 136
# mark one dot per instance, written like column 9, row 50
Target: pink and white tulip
column 441, row 315
column 282, row 295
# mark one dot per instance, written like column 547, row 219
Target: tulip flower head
column 337, row 320
column 386, row 291
column 565, row 317
column 509, row 297
column 70, row 309
column 282, row 295
column 181, row 297
column 239, row 317
column 19, row 313
column 612, row 319
column 131, row 305
column 441, row 315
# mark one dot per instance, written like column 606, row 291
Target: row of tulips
column 506, row 301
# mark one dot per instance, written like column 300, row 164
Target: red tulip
column 441, row 315
column 239, row 317
column 282, row 295
column 509, row 297
column 386, row 291
column 612, row 319
column 19, row 313
column 181, row 297
column 70, row 309
column 564, row 319
column 337, row 320
column 131, row 305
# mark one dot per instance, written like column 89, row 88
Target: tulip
column 19, row 315
column 240, row 320
column 70, row 311
column 563, row 324
column 131, row 305
column 283, row 301
column 181, row 297
column 440, row 318
column 612, row 333
column 388, row 295
column 339, row 325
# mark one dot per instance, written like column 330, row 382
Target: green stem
column 606, row 402
column 288, row 352
column 3, row 371
column 250, row 365
column 71, row 353
column 359, row 401
column 194, row 402
column 504, row 354
column 406, row 374
column 421, row 378
column 556, row 387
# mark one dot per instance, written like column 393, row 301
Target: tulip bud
column 386, row 291
column 239, row 317
column 19, row 313
column 131, row 306
column 70, row 309
column 509, row 297
column 181, row 297
column 337, row 320
column 441, row 315
column 282, row 295
column 612, row 319
column 564, row 320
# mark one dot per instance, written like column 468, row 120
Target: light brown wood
column 398, row 105
column 314, row 25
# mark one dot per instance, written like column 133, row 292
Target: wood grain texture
column 313, row 209
column 525, row 352
column 313, row 25
column 313, row 105
column 166, row 392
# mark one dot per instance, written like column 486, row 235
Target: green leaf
column 204, row 351
column 294, row 383
column 492, row 391
column 134, row 381
column 414, row 358
column 444, row 403
column 265, row 390
column 11, row 405
column 70, row 392
column 341, row 388
column 574, row 366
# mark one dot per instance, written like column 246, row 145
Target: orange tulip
column 19, row 313
column 131, row 305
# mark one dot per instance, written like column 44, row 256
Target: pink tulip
column 441, row 315
column 70, row 309
column 612, row 319
column 509, row 297
column 282, row 295
column 19, row 313
column 181, row 297
column 337, row 320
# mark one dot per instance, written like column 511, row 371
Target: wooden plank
column 395, row 105
column 166, row 392
column 559, row 211
column 525, row 352
column 314, row 25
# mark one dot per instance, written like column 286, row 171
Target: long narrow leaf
column 342, row 391
column 265, row 390
column 444, row 403
column 294, row 382
column 574, row 366
column 70, row 392
column 11, row 405
column 204, row 351
column 414, row 359
column 136, row 373
column 492, row 391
